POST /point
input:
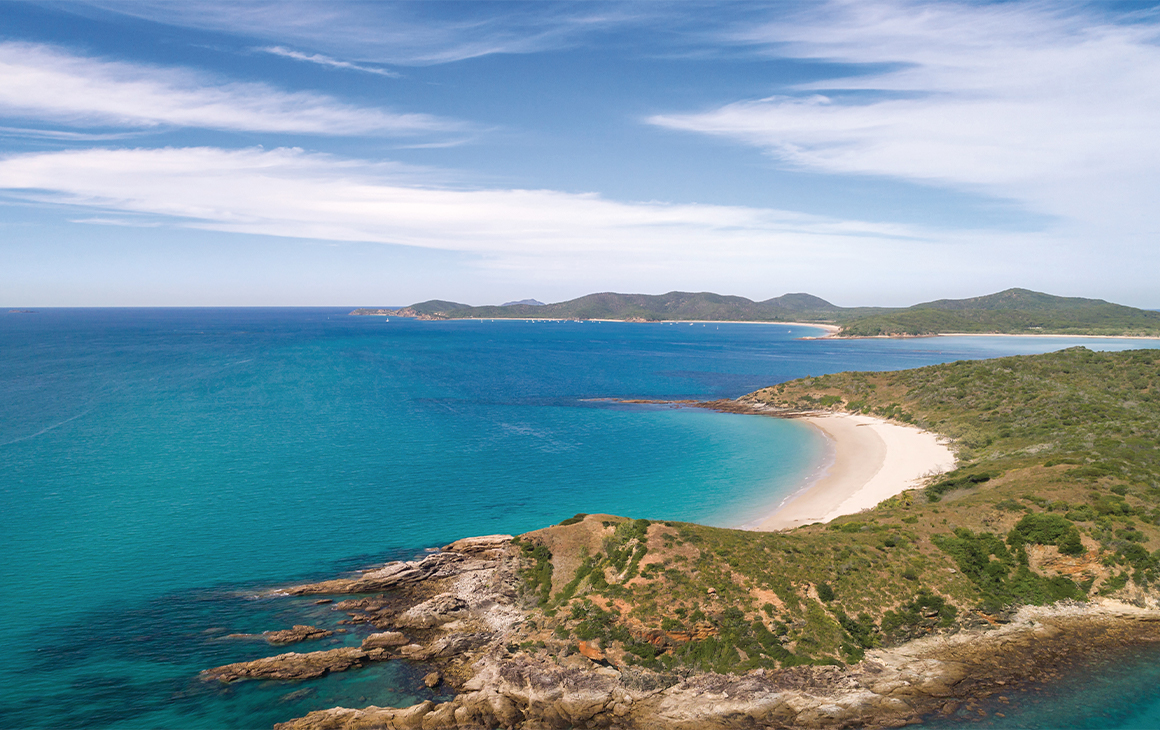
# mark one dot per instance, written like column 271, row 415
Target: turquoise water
column 1112, row 691
column 160, row 467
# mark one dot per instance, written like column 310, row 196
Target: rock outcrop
column 458, row 558
column 294, row 665
column 443, row 608
column 463, row 612
column 295, row 635
column 385, row 640
column 889, row 688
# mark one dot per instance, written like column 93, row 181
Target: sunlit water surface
column 160, row 467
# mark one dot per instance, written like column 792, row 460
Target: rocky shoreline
column 462, row 612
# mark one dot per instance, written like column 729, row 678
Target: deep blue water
column 160, row 467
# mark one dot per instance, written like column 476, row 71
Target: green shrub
column 957, row 480
column 1047, row 529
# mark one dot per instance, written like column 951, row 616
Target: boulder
column 385, row 640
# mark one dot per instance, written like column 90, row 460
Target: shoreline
column 829, row 328
column 997, row 334
column 870, row 461
column 1048, row 334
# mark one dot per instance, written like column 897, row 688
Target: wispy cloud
column 322, row 60
column 62, row 136
column 411, row 33
column 288, row 192
column 49, row 84
column 122, row 222
column 1056, row 107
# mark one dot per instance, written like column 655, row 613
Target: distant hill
column 664, row 307
column 529, row 302
column 1014, row 311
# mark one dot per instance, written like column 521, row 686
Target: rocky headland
column 1040, row 551
column 465, row 612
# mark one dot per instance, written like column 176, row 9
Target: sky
column 377, row 154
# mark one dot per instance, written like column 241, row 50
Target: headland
column 1041, row 547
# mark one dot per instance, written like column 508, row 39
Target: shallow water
column 159, row 467
column 1112, row 691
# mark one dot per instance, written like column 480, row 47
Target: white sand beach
column 873, row 460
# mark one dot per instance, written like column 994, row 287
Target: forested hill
column 1014, row 311
column 672, row 306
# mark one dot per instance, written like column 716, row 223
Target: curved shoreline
column 872, row 460
column 869, row 460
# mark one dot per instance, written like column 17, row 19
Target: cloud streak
column 400, row 33
column 289, row 192
column 322, row 60
column 48, row 84
column 1058, row 109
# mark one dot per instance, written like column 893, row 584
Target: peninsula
column 1013, row 311
column 1039, row 547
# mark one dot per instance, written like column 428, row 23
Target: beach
column 871, row 460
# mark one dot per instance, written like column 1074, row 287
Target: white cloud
column 561, row 236
column 1055, row 108
column 48, row 84
column 322, row 60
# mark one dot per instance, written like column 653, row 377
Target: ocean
column 159, row 468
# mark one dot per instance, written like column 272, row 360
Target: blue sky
column 373, row 153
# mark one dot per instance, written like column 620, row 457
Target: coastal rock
column 390, row 576
column 292, row 665
column 485, row 546
column 296, row 634
column 890, row 688
column 441, row 609
column 385, row 640
column 471, row 623
column 433, row 679
column 457, row 644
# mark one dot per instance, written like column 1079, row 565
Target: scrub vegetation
column 1057, row 497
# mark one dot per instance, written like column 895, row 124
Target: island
column 1038, row 546
column 1013, row 311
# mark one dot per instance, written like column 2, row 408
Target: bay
column 160, row 467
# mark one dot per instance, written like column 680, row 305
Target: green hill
column 1057, row 497
column 700, row 306
column 1014, row 311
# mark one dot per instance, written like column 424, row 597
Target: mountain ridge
column 1011, row 311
